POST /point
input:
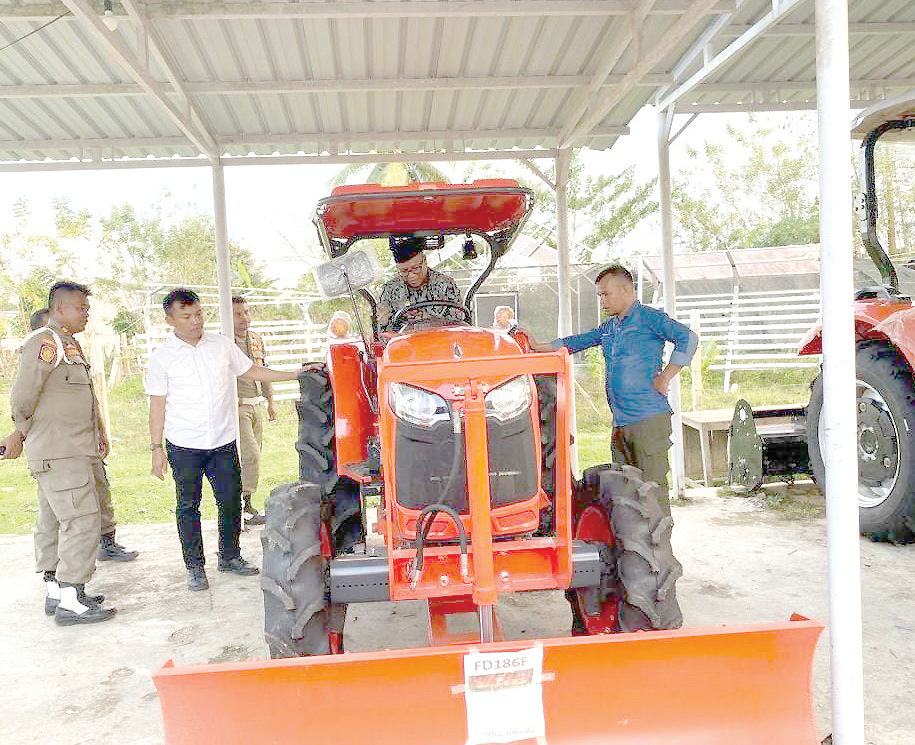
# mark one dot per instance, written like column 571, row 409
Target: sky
column 269, row 208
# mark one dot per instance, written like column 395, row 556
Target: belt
column 256, row 401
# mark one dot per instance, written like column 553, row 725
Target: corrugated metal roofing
column 357, row 77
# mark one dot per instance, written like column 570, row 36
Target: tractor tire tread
column 294, row 579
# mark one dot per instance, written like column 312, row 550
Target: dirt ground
column 742, row 563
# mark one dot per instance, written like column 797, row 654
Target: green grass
column 138, row 496
column 758, row 387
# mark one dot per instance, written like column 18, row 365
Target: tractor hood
column 449, row 344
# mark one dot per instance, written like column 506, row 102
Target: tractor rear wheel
column 621, row 514
column 885, row 403
column 316, row 446
column 294, row 579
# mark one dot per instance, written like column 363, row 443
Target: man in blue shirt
column 632, row 340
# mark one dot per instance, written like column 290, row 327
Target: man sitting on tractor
column 416, row 283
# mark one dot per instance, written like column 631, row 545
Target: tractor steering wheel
column 400, row 317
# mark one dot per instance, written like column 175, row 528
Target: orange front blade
column 747, row 684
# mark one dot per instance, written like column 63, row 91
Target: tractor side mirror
column 360, row 267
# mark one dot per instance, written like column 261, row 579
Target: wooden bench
column 711, row 429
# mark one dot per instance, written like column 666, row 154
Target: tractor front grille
column 424, row 462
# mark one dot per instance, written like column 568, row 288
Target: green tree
column 603, row 209
column 139, row 249
column 32, row 260
column 895, row 180
column 757, row 189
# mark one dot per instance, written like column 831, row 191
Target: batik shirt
column 397, row 294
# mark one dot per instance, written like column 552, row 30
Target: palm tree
column 390, row 174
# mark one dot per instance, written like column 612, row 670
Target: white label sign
column 504, row 696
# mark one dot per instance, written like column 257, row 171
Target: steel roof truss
column 187, row 121
column 712, row 62
column 644, row 64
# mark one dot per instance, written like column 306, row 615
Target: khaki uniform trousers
column 69, row 523
column 645, row 445
column 250, row 440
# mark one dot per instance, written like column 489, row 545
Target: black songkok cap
column 405, row 247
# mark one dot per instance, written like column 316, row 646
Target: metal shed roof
column 763, row 57
column 339, row 78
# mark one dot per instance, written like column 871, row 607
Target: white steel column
column 562, row 242
column 839, row 416
column 564, row 282
column 665, row 119
column 223, row 271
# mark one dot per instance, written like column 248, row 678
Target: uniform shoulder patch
column 47, row 352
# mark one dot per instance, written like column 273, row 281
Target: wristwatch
column 155, row 446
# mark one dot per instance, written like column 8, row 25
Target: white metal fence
column 753, row 330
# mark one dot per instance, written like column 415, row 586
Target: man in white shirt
column 192, row 428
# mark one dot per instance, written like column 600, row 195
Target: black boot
column 53, row 598
column 111, row 550
column 248, row 513
column 71, row 610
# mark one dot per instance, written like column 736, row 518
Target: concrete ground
column 742, row 563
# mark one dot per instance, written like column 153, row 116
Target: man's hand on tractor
column 535, row 345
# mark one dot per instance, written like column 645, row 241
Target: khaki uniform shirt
column 252, row 345
column 54, row 404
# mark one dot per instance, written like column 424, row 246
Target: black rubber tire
column 645, row 571
column 546, row 396
column 294, row 577
column 315, row 408
column 881, row 368
column 318, row 458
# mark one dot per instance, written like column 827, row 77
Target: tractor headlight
column 417, row 406
column 509, row 399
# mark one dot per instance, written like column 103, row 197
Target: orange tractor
column 461, row 437
column 884, row 353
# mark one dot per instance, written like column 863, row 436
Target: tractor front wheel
column 621, row 514
column 294, row 579
column 316, row 446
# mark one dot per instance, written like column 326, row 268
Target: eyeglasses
column 406, row 271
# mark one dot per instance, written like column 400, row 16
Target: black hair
column 66, row 287
column 180, row 295
column 238, row 300
column 39, row 319
column 405, row 247
column 617, row 270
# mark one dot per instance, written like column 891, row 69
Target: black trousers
column 222, row 470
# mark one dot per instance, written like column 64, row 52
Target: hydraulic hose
column 423, row 526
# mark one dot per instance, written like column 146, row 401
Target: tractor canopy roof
column 895, row 114
column 493, row 208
